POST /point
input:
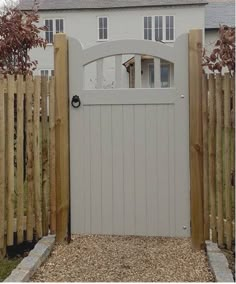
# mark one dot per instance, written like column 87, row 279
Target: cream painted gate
column 130, row 147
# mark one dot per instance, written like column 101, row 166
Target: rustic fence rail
column 27, row 156
column 218, row 111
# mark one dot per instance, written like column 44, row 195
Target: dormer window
column 102, row 28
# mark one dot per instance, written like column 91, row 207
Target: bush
column 223, row 54
column 18, row 35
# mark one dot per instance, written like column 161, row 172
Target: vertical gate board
column 10, row 160
column 140, row 169
column 20, row 159
column 151, row 164
column 171, row 171
column 118, row 175
column 106, row 156
column 163, row 182
column 87, row 170
column 30, row 156
column 129, row 179
column 37, row 175
column 2, row 167
column 80, row 170
column 219, row 160
column 96, row 182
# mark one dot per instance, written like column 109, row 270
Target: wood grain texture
column 219, row 160
column 20, row 159
column 212, row 155
column 196, row 141
column 205, row 154
column 62, row 135
column 227, row 176
column 52, row 156
column 30, row 157
column 45, row 167
column 36, row 149
column 10, row 159
column 2, row 168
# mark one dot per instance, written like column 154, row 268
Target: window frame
column 53, row 27
column 147, row 29
column 169, row 74
column 108, row 24
column 49, row 72
column 163, row 28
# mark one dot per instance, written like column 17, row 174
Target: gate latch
column 75, row 102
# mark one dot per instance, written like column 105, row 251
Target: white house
column 95, row 21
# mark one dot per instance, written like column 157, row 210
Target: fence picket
column 219, row 161
column 20, row 159
column 37, row 180
column 52, row 156
column 212, row 155
column 10, row 159
column 44, row 115
column 205, row 154
column 30, row 154
column 227, row 184
column 232, row 143
column 2, row 168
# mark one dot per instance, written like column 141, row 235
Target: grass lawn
column 7, row 265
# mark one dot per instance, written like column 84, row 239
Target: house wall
column 211, row 37
column 123, row 24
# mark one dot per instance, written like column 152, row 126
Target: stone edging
column 27, row 267
column 218, row 263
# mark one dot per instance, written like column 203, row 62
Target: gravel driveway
column 119, row 258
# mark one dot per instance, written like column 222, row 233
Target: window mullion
column 164, row 28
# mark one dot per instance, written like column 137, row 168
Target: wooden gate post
column 196, row 138
column 62, row 135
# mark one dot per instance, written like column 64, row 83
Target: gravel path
column 125, row 259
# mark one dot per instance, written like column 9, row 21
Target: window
column 169, row 28
column 102, row 28
column 165, row 75
column 148, row 28
column 49, row 32
column 47, row 72
column 54, row 26
column 59, row 26
column 159, row 28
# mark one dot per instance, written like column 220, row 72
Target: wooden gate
column 129, row 148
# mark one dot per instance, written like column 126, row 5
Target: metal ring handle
column 75, row 102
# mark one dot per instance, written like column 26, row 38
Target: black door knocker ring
column 75, row 102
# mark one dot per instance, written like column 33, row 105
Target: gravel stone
column 96, row 258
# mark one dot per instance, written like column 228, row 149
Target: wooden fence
column 218, row 110
column 27, row 159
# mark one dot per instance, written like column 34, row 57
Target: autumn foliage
column 19, row 33
column 223, row 54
